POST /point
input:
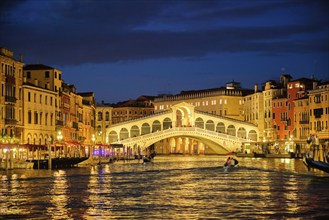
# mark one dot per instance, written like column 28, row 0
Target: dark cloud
column 75, row 32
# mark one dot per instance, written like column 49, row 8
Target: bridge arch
column 124, row 134
column 146, row 129
column 199, row 123
column 113, row 136
column 220, row 128
column 210, row 125
column 242, row 133
column 167, row 123
column 231, row 130
column 252, row 135
column 156, row 126
column 134, row 131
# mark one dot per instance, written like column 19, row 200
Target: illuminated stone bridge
column 186, row 131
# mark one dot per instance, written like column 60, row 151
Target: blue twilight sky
column 121, row 49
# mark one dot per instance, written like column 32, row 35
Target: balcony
column 304, row 122
column 86, row 102
column 59, row 123
column 75, row 125
column 10, row 121
column 10, row 80
column 11, row 99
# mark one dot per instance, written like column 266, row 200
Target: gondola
column 311, row 163
column 149, row 158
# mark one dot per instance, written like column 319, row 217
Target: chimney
column 36, row 82
column 21, row 57
column 256, row 88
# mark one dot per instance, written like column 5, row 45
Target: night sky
column 127, row 48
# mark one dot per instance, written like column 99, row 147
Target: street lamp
column 100, row 148
column 49, row 152
column 93, row 140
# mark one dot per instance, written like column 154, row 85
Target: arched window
column 99, row 116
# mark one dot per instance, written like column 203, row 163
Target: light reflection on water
column 174, row 187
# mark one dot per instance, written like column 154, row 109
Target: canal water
column 173, row 187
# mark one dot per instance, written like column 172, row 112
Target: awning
column 74, row 143
column 117, row 145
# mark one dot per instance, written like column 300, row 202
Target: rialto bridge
column 183, row 130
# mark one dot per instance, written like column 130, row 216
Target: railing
column 10, row 121
column 186, row 129
column 142, row 118
column 226, row 118
column 10, row 99
column 59, row 123
column 10, row 79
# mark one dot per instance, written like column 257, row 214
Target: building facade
column 11, row 106
column 319, row 111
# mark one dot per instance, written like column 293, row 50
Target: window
column 29, row 117
column 29, row 96
column 28, row 75
column 35, row 117
column 100, row 116
column 47, row 74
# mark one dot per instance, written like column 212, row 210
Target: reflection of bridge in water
column 184, row 130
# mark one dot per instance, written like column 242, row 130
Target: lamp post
column 59, row 139
column 99, row 148
column 49, row 152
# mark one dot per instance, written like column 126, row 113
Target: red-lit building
column 283, row 107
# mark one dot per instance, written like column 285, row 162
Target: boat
column 58, row 163
column 149, row 158
column 230, row 163
column 311, row 163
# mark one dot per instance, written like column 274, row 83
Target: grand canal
column 175, row 187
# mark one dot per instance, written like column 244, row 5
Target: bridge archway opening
column 210, row 125
column 252, row 135
column 134, row 131
column 242, row 133
column 124, row 134
column 199, row 123
column 146, row 129
column 179, row 118
column 113, row 137
column 183, row 114
column 231, row 130
column 156, row 126
column 220, row 128
column 167, row 123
